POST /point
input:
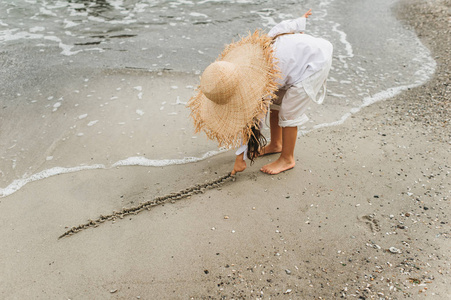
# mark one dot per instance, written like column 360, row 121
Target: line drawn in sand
column 196, row 189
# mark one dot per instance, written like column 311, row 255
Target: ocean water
column 100, row 84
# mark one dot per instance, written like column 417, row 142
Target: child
column 282, row 71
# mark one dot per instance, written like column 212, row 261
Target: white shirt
column 298, row 55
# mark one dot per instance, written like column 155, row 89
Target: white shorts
column 299, row 96
column 292, row 106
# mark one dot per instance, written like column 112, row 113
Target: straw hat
column 236, row 90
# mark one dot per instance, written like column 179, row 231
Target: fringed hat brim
column 230, row 124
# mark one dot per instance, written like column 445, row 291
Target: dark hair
column 256, row 142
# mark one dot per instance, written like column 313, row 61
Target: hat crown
column 219, row 81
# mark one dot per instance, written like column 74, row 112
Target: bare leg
column 286, row 160
column 275, row 145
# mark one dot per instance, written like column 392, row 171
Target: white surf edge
column 425, row 74
column 131, row 161
column 19, row 183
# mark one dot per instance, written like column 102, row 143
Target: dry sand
column 364, row 214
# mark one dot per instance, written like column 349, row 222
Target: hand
column 240, row 164
column 309, row 13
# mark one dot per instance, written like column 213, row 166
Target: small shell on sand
column 394, row 250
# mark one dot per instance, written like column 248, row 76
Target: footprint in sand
column 371, row 222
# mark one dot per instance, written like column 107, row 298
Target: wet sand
column 365, row 213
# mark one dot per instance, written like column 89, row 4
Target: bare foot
column 270, row 149
column 278, row 166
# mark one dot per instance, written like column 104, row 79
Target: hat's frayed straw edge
column 273, row 73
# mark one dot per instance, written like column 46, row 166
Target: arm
column 280, row 93
column 290, row 26
column 240, row 163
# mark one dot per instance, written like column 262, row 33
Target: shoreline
column 363, row 214
column 43, row 147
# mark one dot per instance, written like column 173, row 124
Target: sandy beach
column 363, row 215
